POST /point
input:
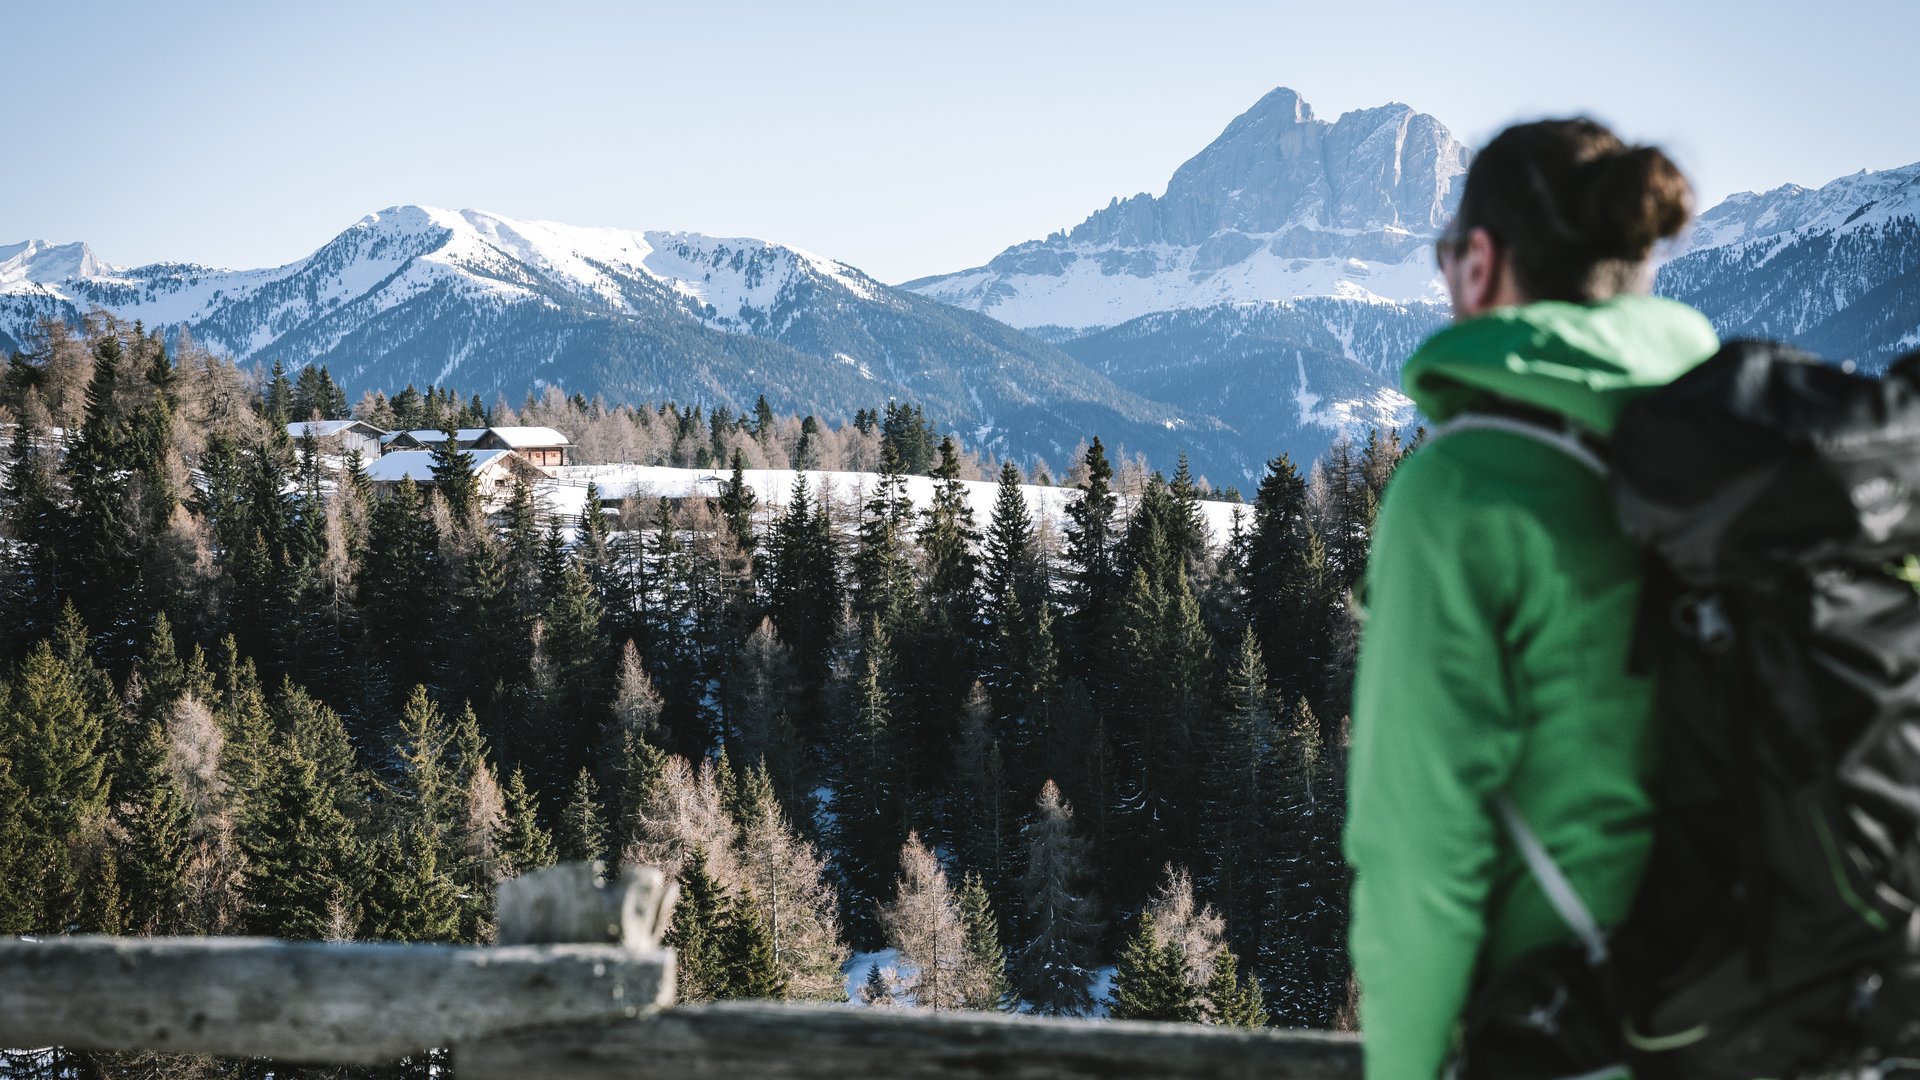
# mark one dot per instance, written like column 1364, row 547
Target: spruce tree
column 696, row 932
column 410, row 896
column 883, row 576
column 1231, row 1001
column 747, row 955
column 302, row 862
column 522, row 843
column 868, row 820
column 1062, row 926
column 1092, row 531
column 1152, row 980
column 1235, row 749
column 1287, row 581
column 154, row 842
column 51, row 738
column 738, row 502
column 582, row 836
column 985, row 981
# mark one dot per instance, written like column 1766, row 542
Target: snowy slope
column 1835, row 269
column 774, row 487
column 1281, row 205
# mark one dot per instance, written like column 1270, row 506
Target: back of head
column 1577, row 210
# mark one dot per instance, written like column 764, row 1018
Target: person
column 1500, row 595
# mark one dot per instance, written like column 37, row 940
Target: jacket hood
column 1581, row 361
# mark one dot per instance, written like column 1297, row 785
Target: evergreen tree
column 747, row 956
column 883, row 576
column 51, row 739
column 1152, row 980
column 1286, row 576
column 582, row 833
column 301, row 858
column 521, row 842
column 738, row 502
column 154, row 842
column 696, row 933
column 1236, row 758
column 1231, row 1001
column 453, row 478
column 868, row 821
column 1093, row 575
column 410, row 896
column 803, row 593
column 986, row 964
column 1062, row 925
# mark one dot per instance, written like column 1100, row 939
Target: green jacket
column 1500, row 599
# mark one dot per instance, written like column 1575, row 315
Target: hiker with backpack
column 1635, row 776
column 1501, row 593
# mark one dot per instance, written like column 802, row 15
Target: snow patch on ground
column 566, row 494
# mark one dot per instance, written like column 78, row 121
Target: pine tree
column 301, row 858
column 803, row 592
column 1152, row 980
column 1286, row 577
column 868, row 819
column 883, row 575
column 410, row 896
column 943, row 644
column 878, row 989
column 426, row 787
column 985, row 974
column 1093, row 575
column 1062, row 924
column 154, row 842
column 1236, row 763
column 582, row 833
column 1231, row 1001
column 738, row 502
column 51, row 738
column 522, row 843
column 747, row 956
column 695, row 932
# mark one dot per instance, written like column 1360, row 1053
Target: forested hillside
column 244, row 692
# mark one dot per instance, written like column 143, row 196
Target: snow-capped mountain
column 1281, row 205
column 1835, row 270
column 491, row 304
column 1277, row 283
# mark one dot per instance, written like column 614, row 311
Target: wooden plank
column 570, row 903
column 825, row 1042
column 316, row 1002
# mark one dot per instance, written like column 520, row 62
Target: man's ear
column 1482, row 272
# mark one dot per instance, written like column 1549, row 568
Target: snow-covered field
column 566, row 494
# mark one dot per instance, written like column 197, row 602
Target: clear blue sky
column 905, row 138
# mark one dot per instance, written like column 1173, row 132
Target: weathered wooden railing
column 578, row 988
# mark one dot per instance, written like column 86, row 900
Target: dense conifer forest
column 243, row 692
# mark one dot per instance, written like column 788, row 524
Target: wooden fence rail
column 578, row 989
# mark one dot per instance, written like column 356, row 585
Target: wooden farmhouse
column 428, row 438
column 542, row 446
column 340, row 436
column 494, row 472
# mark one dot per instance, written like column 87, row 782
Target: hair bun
column 1634, row 197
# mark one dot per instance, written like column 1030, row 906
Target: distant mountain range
column 1263, row 303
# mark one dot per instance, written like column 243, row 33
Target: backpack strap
column 1560, row 892
column 1562, row 436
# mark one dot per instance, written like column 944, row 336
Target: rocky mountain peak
column 45, row 263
